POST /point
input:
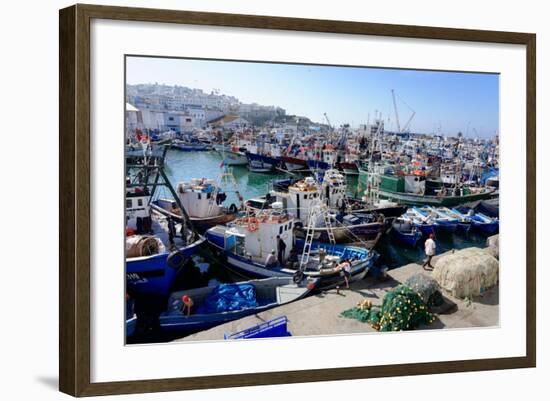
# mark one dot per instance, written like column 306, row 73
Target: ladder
column 309, row 237
column 312, row 218
column 328, row 223
column 373, row 182
column 225, row 180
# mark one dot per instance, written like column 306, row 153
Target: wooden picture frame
column 75, row 207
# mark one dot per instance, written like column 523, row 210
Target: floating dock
column 320, row 314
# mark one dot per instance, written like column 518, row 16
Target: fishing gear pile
column 402, row 309
column 428, row 289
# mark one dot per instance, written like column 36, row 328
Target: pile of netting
column 427, row 288
column 402, row 309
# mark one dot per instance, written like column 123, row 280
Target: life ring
column 298, row 277
column 252, row 224
column 176, row 260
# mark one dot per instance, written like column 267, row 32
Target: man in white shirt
column 429, row 247
column 271, row 260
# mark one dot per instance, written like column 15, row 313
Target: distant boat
column 223, row 303
column 294, row 163
column 408, row 190
column 349, row 168
column 258, row 163
column 231, row 155
column 190, row 146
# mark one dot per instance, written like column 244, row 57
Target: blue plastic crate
column 276, row 327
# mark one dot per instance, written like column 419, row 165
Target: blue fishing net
column 229, row 297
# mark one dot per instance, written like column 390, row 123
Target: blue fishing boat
column 318, row 166
column 259, row 163
column 405, row 233
column 223, row 303
column 157, row 246
column 485, row 224
column 424, row 224
column 442, row 223
column 464, row 222
column 481, row 222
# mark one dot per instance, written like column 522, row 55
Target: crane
column 395, row 109
column 328, row 121
column 407, row 124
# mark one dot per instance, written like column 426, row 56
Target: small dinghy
column 442, row 223
column 405, row 233
column 212, row 306
column 480, row 222
column 423, row 223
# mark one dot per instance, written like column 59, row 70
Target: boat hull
column 174, row 320
column 261, row 164
column 293, row 163
column 234, row 158
column 368, row 234
column 152, row 275
column 420, row 200
column 250, row 269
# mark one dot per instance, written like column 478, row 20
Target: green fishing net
column 402, row 309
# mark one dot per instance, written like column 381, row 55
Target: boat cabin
column 138, row 211
column 201, row 197
column 256, row 236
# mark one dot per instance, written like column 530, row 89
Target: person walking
column 429, row 248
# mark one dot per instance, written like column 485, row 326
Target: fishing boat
column 232, row 155
column 405, row 233
column 481, row 222
column 157, row 246
column 443, row 223
column 464, row 222
column 349, row 167
column 294, row 163
column 223, row 303
column 413, row 190
column 258, row 163
column 248, row 242
column 423, row 223
column 203, row 200
column 190, row 146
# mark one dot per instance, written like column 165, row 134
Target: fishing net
column 466, row 273
column 427, row 288
column 402, row 309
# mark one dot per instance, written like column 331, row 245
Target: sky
column 443, row 102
